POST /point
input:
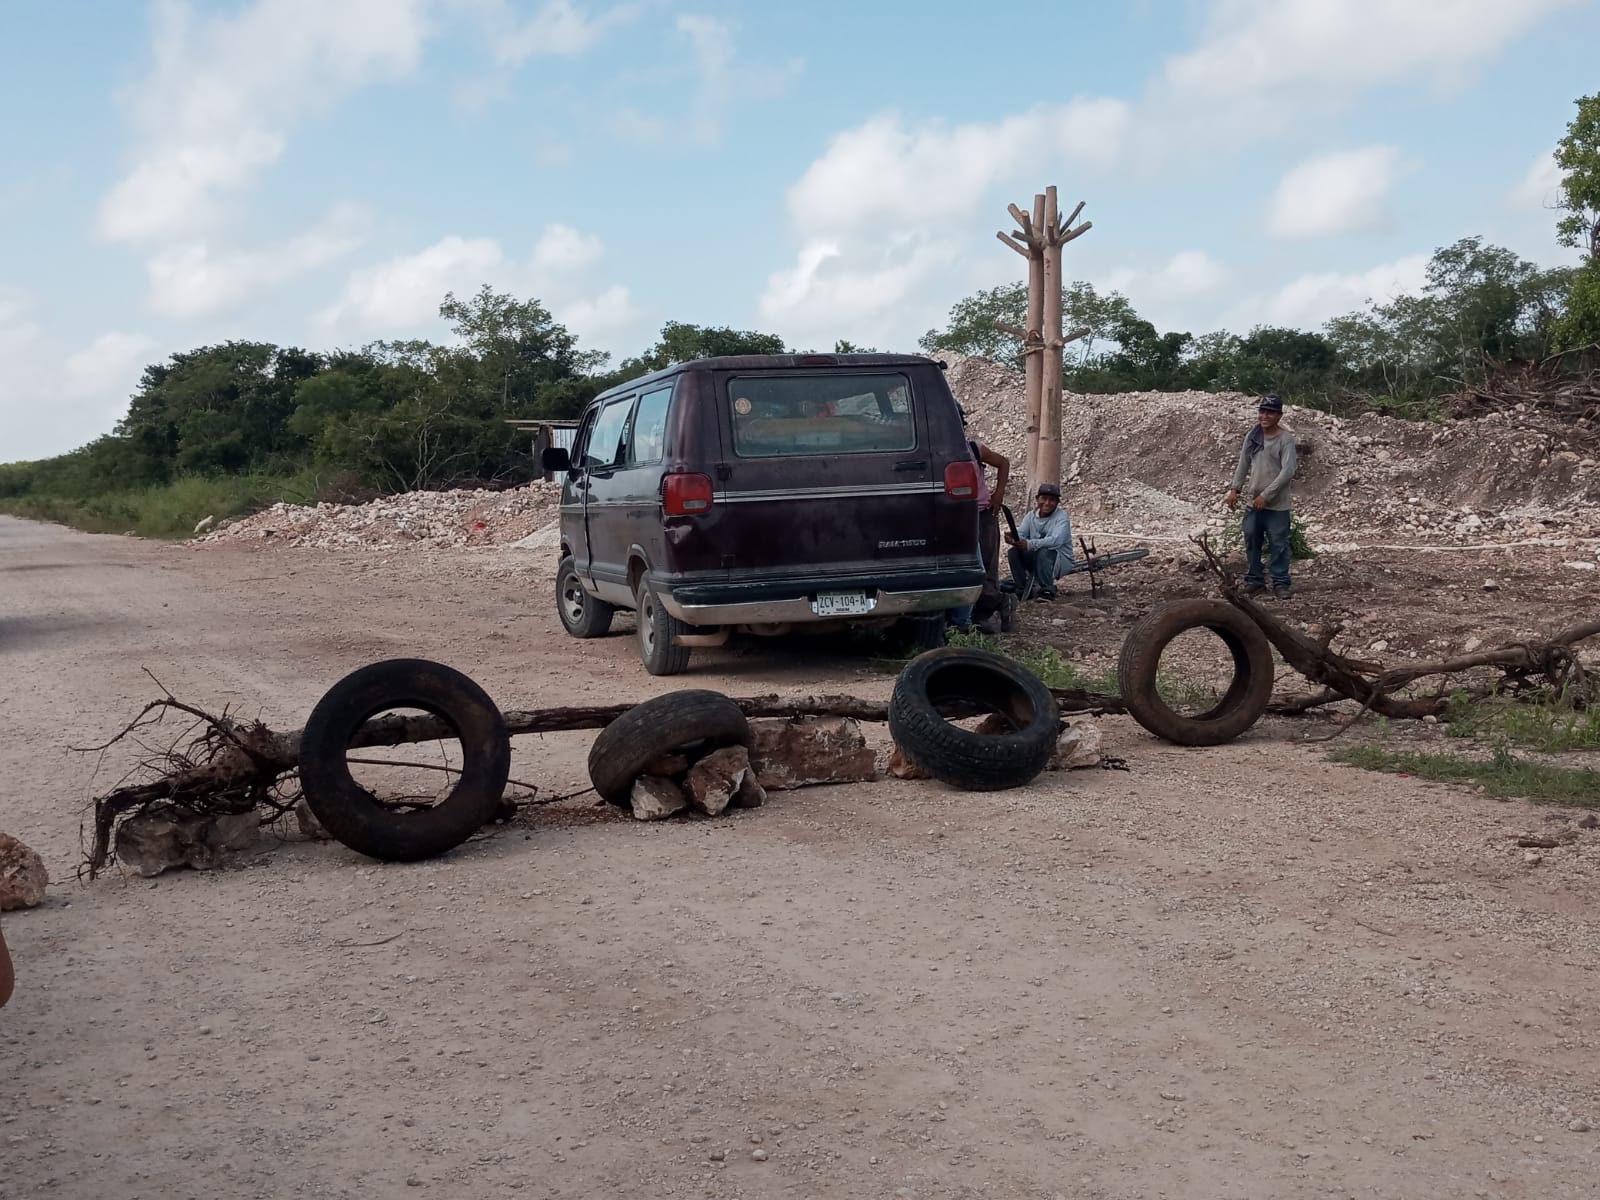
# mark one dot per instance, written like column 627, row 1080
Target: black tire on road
column 958, row 680
column 1241, row 705
column 354, row 815
column 581, row 614
column 658, row 630
column 647, row 731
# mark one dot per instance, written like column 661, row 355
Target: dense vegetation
column 223, row 429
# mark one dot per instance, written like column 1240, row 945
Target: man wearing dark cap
column 1265, row 473
column 1041, row 550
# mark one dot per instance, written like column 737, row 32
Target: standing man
column 1266, row 469
column 1041, row 550
column 989, row 503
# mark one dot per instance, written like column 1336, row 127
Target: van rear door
column 827, row 472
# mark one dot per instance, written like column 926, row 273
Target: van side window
column 649, row 438
column 605, row 445
column 782, row 415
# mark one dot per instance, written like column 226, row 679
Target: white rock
column 655, row 798
column 1077, row 747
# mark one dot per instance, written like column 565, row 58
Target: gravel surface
column 1239, row 972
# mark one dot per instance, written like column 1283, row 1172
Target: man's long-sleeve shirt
column 1268, row 472
column 1046, row 533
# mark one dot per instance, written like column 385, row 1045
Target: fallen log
column 235, row 767
column 1374, row 686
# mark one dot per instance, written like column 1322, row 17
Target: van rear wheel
column 581, row 614
column 658, row 632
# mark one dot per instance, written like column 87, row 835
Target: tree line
column 401, row 415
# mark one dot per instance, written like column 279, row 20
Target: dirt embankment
column 1158, row 462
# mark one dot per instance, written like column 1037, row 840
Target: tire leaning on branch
column 1241, row 706
column 354, row 815
column 965, row 682
column 694, row 718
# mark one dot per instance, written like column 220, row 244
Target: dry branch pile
column 1543, row 389
column 1547, row 668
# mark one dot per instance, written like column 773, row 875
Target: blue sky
column 320, row 172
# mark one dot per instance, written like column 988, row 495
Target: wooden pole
column 1047, row 467
column 1033, row 362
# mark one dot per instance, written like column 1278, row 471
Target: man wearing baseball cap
column 1041, row 550
column 1265, row 473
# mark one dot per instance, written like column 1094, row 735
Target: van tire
column 953, row 678
column 658, row 633
column 1248, row 693
column 354, row 815
column 582, row 615
column 657, row 727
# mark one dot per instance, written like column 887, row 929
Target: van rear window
column 820, row 414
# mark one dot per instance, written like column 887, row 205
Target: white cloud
column 863, row 291
column 402, row 295
column 1346, row 192
column 558, row 27
column 226, row 89
column 109, row 365
column 884, row 171
column 405, row 291
column 1336, row 48
column 563, row 248
column 1312, row 299
column 1187, row 274
column 196, row 279
column 52, row 402
column 1540, row 187
column 721, row 78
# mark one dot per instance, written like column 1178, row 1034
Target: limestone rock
column 750, row 794
column 713, row 782
column 797, row 752
column 656, row 798
column 23, row 878
column 163, row 837
column 308, row 824
column 902, row 767
column 1078, row 746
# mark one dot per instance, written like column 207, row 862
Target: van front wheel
column 658, row 632
column 581, row 614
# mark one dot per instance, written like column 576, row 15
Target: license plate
column 841, row 604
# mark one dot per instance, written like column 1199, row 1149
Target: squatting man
column 1040, row 551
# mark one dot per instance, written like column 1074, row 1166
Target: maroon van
column 761, row 492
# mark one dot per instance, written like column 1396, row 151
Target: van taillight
column 961, row 480
column 685, row 494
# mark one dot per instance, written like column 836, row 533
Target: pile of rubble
column 1141, row 462
column 460, row 518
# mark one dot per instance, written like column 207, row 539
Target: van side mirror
column 555, row 458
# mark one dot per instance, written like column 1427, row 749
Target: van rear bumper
column 771, row 600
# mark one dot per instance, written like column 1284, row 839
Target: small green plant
column 1299, row 539
column 1542, row 722
column 1503, row 775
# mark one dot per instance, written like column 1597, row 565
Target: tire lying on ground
column 677, row 721
column 1241, row 705
column 354, row 815
column 960, row 681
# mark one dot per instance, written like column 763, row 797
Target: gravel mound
column 467, row 517
column 1161, row 461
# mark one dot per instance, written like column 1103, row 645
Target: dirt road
column 1242, row 972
